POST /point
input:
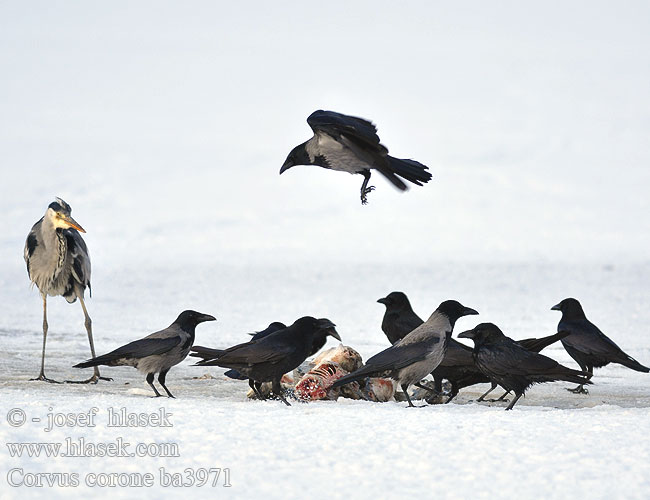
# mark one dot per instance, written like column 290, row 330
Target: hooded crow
column 351, row 144
column 417, row 354
column 511, row 366
column 156, row 353
column 587, row 345
column 268, row 358
column 458, row 365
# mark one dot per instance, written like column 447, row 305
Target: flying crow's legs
column 161, row 380
column 365, row 189
column 580, row 389
column 41, row 375
column 277, row 390
column 150, row 382
column 89, row 329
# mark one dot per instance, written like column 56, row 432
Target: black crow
column 587, row 345
column 156, row 353
column 511, row 366
column 399, row 318
column 417, row 354
column 351, row 144
column 209, row 353
column 267, row 359
column 458, row 365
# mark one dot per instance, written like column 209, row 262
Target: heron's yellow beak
column 70, row 222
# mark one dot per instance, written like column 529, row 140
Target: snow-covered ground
column 164, row 126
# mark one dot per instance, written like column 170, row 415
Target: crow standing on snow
column 268, row 358
column 158, row 352
column 417, row 354
column 351, row 144
column 458, row 365
column 511, row 366
column 587, row 345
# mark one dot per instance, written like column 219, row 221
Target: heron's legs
column 89, row 328
column 150, row 382
column 161, row 381
column 365, row 189
column 41, row 375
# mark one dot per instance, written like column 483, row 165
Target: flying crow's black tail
column 537, row 345
column 206, row 353
column 410, row 170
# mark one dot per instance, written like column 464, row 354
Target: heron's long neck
column 58, row 243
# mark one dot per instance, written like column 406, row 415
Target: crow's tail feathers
column 206, row 353
column 632, row 363
column 410, row 170
column 537, row 345
column 106, row 359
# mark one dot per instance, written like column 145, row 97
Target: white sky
column 164, row 125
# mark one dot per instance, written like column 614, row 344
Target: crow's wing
column 251, row 353
column 142, row 348
column 505, row 358
column 587, row 337
column 356, row 133
column 399, row 356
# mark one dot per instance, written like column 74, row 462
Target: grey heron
column 58, row 264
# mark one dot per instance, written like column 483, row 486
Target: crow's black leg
column 365, row 189
column 482, row 398
column 258, row 389
column 418, row 384
column 502, row 398
column 150, row 382
column 408, row 398
column 161, row 380
column 254, row 385
column 277, row 390
column 581, row 388
column 517, row 396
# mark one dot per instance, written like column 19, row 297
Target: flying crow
column 156, row 353
column 351, row 144
column 511, row 366
column 587, row 345
column 417, row 354
column 268, row 358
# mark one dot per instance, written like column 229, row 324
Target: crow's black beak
column 206, row 317
column 468, row 311
column 556, row 307
column 328, row 326
column 469, row 334
column 383, row 301
column 288, row 163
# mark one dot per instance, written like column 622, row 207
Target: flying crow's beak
column 206, row 317
column 468, row 311
column 288, row 163
column 68, row 220
column 469, row 334
column 556, row 307
column 383, row 301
